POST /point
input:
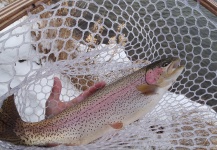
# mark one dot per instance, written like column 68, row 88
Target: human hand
column 54, row 105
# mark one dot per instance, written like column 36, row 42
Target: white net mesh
column 85, row 42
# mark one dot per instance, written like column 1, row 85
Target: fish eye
column 165, row 64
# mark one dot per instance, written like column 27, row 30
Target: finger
column 53, row 104
column 89, row 91
column 56, row 106
column 99, row 84
column 56, row 90
column 93, row 89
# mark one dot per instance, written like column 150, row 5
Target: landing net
column 83, row 42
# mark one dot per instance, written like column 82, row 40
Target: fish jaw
column 173, row 71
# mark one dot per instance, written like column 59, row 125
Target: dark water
column 156, row 29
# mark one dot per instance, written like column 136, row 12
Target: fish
column 110, row 108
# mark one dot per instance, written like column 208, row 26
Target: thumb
column 56, row 90
column 53, row 100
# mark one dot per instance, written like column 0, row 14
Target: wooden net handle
column 19, row 8
column 211, row 5
column 16, row 10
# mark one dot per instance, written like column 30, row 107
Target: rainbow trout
column 110, row 108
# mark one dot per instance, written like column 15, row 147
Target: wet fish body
column 110, row 108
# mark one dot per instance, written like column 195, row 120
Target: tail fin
column 9, row 121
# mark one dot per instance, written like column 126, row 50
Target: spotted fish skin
column 110, row 108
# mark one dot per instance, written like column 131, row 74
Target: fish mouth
column 173, row 70
column 175, row 66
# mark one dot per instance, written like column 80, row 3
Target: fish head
column 164, row 72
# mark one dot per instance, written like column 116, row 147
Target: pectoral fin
column 147, row 89
column 117, row 125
